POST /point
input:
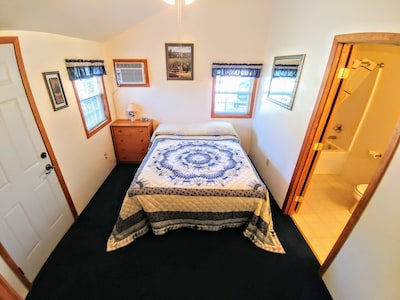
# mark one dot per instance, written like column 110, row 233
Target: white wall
column 219, row 32
column 308, row 27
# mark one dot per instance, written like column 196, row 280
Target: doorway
column 373, row 133
column 35, row 208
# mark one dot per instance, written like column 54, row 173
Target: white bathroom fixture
column 358, row 192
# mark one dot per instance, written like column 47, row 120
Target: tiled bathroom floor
column 324, row 212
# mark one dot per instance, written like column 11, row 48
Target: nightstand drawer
column 131, row 139
column 136, row 131
column 133, row 147
column 127, row 155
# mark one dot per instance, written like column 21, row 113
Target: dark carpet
column 182, row 264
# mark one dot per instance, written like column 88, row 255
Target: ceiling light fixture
column 172, row 2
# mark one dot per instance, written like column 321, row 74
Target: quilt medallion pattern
column 197, row 163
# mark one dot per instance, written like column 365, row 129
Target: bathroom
column 358, row 135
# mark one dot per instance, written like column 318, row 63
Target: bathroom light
column 172, row 2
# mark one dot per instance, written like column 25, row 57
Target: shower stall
column 347, row 148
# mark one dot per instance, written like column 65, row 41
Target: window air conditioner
column 131, row 73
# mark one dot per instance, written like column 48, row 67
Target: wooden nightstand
column 131, row 139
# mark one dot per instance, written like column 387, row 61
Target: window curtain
column 288, row 71
column 242, row 70
column 81, row 69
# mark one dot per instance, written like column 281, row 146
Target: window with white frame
column 234, row 88
column 87, row 79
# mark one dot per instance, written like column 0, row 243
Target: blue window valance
column 81, row 69
column 242, row 70
column 285, row 71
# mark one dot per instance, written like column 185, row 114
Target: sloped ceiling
column 96, row 20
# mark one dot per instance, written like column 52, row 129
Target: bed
column 196, row 176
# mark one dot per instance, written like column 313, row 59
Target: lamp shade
column 131, row 107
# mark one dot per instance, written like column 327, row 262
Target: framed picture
column 179, row 59
column 55, row 89
column 284, row 79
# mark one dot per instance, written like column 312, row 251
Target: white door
column 34, row 214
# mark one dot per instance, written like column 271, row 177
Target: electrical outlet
column 105, row 155
column 267, row 162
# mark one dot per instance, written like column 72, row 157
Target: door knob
column 48, row 168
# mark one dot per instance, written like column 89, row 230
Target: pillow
column 202, row 128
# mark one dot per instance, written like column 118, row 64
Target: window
column 87, row 79
column 93, row 103
column 234, row 87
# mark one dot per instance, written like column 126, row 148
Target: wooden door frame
column 7, row 292
column 325, row 104
column 17, row 50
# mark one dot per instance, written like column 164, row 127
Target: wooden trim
column 318, row 119
column 236, row 116
column 92, row 132
column 306, row 157
column 14, row 267
column 373, row 38
column 40, row 125
column 316, row 126
column 17, row 49
column 6, row 290
column 369, row 37
column 381, row 169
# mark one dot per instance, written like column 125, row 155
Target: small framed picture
column 179, row 59
column 55, row 89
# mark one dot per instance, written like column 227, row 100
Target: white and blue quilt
column 204, row 182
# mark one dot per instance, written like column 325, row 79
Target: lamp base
column 132, row 115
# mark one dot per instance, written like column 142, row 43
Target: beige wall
column 368, row 118
column 254, row 31
column 81, row 160
column 381, row 116
column 220, row 33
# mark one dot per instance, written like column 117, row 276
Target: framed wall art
column 55, row 89
column 179, row 61
column 284, row 79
